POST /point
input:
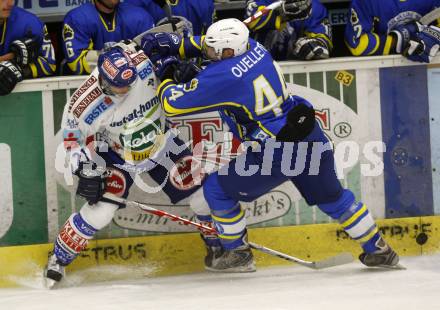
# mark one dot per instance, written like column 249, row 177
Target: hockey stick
column 247, row 21
column 430, row 17
column 263, row 12
column 340, row 259
column 6, row 57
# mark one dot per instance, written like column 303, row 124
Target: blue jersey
column 249, row 90
column 371, row 20
column 315, row 26
column 22, row 24
column 85, row 29
column 200, row 13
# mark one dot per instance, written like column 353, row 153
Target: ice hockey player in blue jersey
column 93, row 26
column 379, row 27
column 247, row 87
column 299, row 30
column 23, row 34
column 199, row 13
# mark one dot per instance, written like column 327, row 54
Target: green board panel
column 21, row 120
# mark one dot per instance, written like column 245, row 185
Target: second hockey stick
column 430, row 17
column 340, row 259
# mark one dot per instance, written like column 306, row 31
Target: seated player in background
column 117, row 107
column 247, row 87
column 299, row 30
column 93, row 26
column 197, row 13
column 26, row 37
column 378, row 27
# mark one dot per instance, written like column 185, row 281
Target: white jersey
column 128, row 124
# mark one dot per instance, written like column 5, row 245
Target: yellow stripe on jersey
column 182, row 49
column 361, row 47
column 388, row 45
column 376, row 46
column 34, row 70
column 319, row 35
column 5, row 23
column 194, row 43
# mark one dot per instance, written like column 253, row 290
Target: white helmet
column 227, row 33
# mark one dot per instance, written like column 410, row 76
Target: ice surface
column 351, row 287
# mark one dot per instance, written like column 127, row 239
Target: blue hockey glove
column 160, row 44
column 164, row 68
column 425, row 45
column 403, row 35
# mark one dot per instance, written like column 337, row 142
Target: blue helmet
column 116, row 68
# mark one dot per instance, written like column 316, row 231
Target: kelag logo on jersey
column 141, row 139
column 98, row 109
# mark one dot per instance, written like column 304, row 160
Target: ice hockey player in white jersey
column 113, row 128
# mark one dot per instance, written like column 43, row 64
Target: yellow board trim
column 157, row 253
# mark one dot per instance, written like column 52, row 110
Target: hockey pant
column 312, row 171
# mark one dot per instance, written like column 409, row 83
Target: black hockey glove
column 299, row 124
column 308, row 49
column 26, row 51
column 296, row 9
column 10, row 75
column 185, row 71
column 91, row 184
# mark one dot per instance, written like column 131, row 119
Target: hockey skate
column 235, row 260
column 54, row 272
column 384, row 257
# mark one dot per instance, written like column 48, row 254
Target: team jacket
column 22, row 24
column 200, row 13
column 248, row 90
column 370, row 21
column 128, row 125
column 85, row 29
column 315, row 26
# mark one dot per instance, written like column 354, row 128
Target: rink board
column 173, row 254
column 358, row 101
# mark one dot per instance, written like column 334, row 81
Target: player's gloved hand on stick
column 10, row 75
column 26, row 51
column 425, row 45
column 160, row 44
column 91, row 184
column 164, row 68
column 296, row 9
column 185, row 71
column 310, row 49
